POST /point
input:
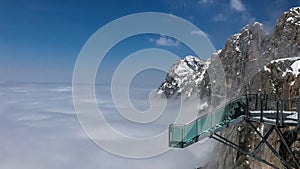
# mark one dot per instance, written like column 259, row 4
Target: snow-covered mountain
column 241, row 58
column 244, row 55
column 253, row 61
column 185, row 77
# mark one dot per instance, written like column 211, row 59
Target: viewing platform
column 261, row 108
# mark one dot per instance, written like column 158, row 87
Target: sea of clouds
column 39, row 129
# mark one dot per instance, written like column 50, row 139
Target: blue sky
column 41, row 39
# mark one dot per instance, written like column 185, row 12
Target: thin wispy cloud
column 220, row 18
column 237, row 5
column 273, row 12
column 246, row 15
column 165, row 41
column 205, row 2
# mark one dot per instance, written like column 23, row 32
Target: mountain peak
column 294, row 10
column 255, row 28
column 256, row 25
column 286, row 40
column 293, row 16
column 184, row 75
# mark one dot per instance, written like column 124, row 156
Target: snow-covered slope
column 280, row 76
column 185, row 77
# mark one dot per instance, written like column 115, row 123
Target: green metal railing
column 187, row 134
column 252, row 107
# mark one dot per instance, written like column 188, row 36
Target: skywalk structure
column 250, row 108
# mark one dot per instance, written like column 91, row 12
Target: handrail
column 223, row 106
column 183, row 135
column 231, row 112
column 215, row 110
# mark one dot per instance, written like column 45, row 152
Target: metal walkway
column 250, row 108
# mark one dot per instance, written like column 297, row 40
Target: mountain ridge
column 244, row 55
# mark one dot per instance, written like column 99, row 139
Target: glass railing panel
column 190, row 131
column 219, row 118
column 204, row 124
column 176, row 133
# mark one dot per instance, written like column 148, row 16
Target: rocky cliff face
column 279, row 77
column 285, row 41
column 253, row 61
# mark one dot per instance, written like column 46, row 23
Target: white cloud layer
column 39, row 129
